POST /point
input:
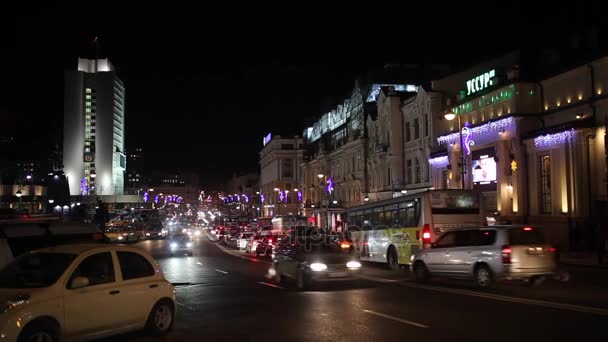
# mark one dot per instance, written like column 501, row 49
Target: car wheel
column 300, row 280
column 421, row 273
column 392, row 259
column 536, row 281
column 39, row 332
column 161, row 318
column 483, row 276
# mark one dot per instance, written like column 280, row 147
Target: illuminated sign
column 480, row 82
column 267, row 139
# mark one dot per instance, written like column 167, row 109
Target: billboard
column 484, row 170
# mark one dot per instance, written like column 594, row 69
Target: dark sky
column 202, row 89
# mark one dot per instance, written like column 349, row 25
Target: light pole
column 449, row 115
column 19, row 194
column 321, row 198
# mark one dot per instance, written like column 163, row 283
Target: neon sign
column 480, row 82
column 267, row 139
column 330, row 185
column 300, row 196
column 467, row 141
column 262, row 198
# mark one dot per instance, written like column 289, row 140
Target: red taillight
column 527, row 229
column 506, row 254
column 345, row 244
column 552, row 249
column 270, row 242
column 426, row 233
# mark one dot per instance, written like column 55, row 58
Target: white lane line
column 199, row 263
column 553, row 305
column 381, row 280
column 186, row 306
column 241, row 256
column 271, row 285
column 222, row 271
column 396, row 319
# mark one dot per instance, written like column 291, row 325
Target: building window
column 388, row 179
column 87, row 90
column 426, row 126
column 407, row 132
column 416, row 128
column 408, row 171
column 418, row 171
column 545, row 184
column 286, row 168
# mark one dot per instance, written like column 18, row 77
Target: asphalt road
column 225, row 296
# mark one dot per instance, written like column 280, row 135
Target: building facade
column 281, row 175
column 135, row 177
column 94, row 129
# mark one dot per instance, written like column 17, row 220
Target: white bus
column 391, row 231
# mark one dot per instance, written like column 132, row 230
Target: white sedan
column 82, row 292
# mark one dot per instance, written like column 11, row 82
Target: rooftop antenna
column 96, row 46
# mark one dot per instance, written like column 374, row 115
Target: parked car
column 488, row 254
column 312, row 262
column 243, row 238
column 155, row 231
column 266, row 244
column 180, row 244
column 77, row 292
column 252, row 243
column 231, row 239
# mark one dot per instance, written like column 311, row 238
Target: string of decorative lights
column 487, row 128
column 548, row 140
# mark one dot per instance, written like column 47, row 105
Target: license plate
column 535, row 251
column 337, row 274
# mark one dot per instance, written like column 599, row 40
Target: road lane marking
column 271, row 285
column 381, row 280
column 241, row 256
column 221, row 271
column 199, row 263
column 397, row 319
column 553, row 305
column 186, row 306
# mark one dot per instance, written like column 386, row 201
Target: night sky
column 202, row 90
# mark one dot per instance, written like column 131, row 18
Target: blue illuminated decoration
column 238, row 198
column 467, row 138
column 84, row 187
column 146, row 197
column 246, row 199
column 267, row 139
column 281, row 195
column 156, row 199
column 230, row 197
column 262, row 198
column 330, row 185
column 300, row 196
column 166, row 200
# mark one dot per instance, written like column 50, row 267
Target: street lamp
column 320, row 175
column 51, row 201
column 449, row 115
column 28, row 177
column 366, row 198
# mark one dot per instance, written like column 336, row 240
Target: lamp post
column 321, row 198
column 19, row 194
column 449, row 115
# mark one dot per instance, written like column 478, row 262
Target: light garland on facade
column 554, row 139
column 487, row 128
column 439, row 161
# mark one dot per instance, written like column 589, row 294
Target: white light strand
column 553, row 139
column 490, row 127
column 439, row 161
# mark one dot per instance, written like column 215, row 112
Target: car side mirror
column 79, row 282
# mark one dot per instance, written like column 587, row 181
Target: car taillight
column 552, row 249
column 528, row 229
column 506, row 254
column 270, row 242
column 345, row 244
column 426, row 233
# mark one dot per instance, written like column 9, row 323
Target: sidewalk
column 582, row 259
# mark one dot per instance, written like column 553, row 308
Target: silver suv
column 487, row 254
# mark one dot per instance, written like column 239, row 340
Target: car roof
column 82, row 248
column 498, row 226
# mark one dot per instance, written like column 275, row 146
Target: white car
column 82, row 292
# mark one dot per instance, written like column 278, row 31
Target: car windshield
column 180, row 237
column 35, row 270
column 526, row 236
column 154, row 228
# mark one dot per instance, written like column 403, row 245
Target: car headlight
column 173, row 245
column 318, row 267
column 147, row 234
column 189, row 244
column 120, row 238
column 353, row 264
column 13, row 303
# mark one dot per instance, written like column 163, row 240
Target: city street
column 224, row 296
